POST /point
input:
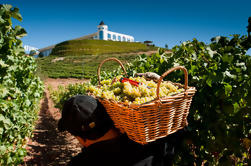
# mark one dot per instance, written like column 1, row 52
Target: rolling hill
column 80, row 58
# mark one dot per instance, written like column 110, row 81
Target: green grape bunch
column 126, row 93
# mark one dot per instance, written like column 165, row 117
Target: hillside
column 80, row 58
column 97, row 47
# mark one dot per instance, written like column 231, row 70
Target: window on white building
column 109, row 36
column 119, row 38
column 114, row 37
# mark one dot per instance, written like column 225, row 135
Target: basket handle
column 168, row 72
column 109, row 59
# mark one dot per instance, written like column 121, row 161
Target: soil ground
column 48, row 146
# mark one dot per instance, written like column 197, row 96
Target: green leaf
column 236, row 107
column 228, row 89
column 209, row 82
column 227, row 58
column 1, row 20
column 3, row 64
column 228, row 74
column 9, row 160
column 2, row 149
column 1, row 132
column 6, row 7
column 3, row 91
column 20, row 32
column 6, row 122
column 16, row 14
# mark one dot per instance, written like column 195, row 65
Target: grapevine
column 20, row 90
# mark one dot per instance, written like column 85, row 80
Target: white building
column 28, row 48
column 104, row 34
column 101, row 34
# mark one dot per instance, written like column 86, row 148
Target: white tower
column 102, row 31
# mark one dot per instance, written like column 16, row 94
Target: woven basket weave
column 147, row 122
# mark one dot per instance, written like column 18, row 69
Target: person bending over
column 103, row 145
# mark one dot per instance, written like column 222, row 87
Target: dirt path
column 48, row 146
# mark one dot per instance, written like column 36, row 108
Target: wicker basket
column 147, row 122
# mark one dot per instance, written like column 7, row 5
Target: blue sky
column 161, row 21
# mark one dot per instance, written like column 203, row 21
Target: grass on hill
column 78, row 66
column 80, row 58
column 98, row 47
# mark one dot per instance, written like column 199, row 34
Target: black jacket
column 122, row 151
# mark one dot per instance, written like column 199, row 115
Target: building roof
column 102, row 23
column 46, row 48
column 86, row 36
column 80, row 38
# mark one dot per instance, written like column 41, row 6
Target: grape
column 127, row 88
column 144, row 90
column 142, row 100
column 128, row 94
column 171, row 87
column 117, row 84
column 151, row 84
column 108, row 95
column 91, row 88
column 117, row 91
column 106, row 82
